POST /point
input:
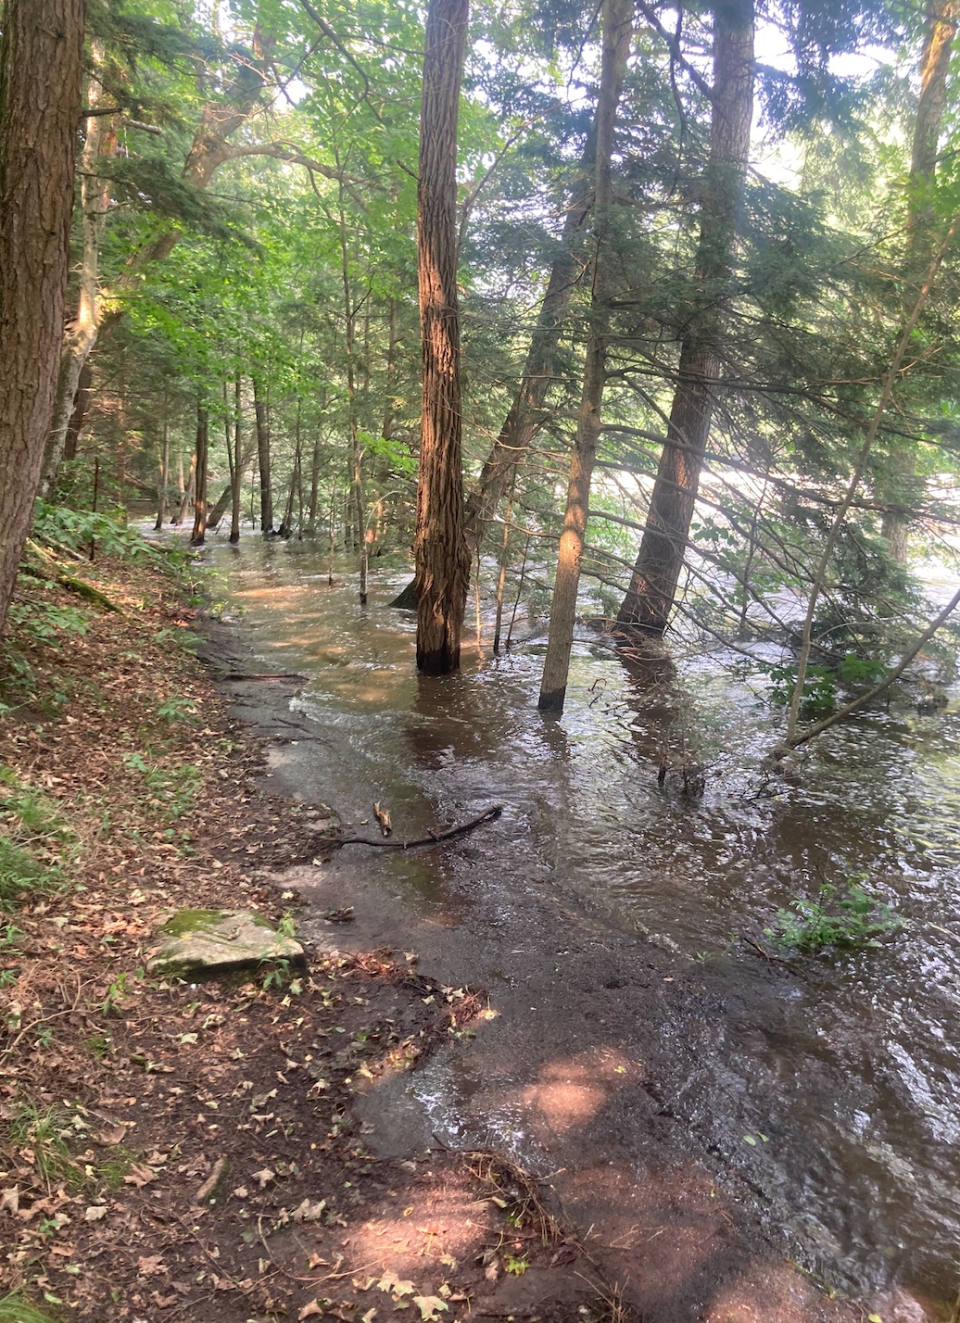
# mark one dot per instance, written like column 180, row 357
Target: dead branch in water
column 488, row 815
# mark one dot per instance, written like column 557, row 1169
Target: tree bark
column 441, row 554
column 41, row 65
column 198, row 536
column 164, row 467
column 649, row 600
column 100, row 140
column 261, row 408
column 617, row 34
column 921, row 223
column 239, row 463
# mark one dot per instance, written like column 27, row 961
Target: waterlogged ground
column 640, row 1041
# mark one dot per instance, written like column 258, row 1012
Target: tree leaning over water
column 41, row 62
column 440, row 548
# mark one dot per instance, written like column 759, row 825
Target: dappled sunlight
column 453, row 1224
column 571, row 1090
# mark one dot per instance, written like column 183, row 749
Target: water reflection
column 851, row 1069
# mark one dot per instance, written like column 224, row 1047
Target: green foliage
column 846, row 916
column 15, row 1309
column 822, row 682
column 59, row 527
column 177, row 708
column 47, row 623
column 34, row 842
column 170, row 791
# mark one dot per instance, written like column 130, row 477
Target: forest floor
column 175, row 1151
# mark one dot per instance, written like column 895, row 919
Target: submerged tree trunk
column 921, row 225
column 236, row 475
column 261, row 409
column 41, row 69
column 198, row 536
column 617, row 33
column 649, row 600
column 440, row 549
column 164, row 468
column 100, row 141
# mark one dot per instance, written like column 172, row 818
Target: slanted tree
column 649, row 599
column 617, row 32
column 41, row 70
column 441, row 554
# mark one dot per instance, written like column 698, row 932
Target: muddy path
column 616, row 1066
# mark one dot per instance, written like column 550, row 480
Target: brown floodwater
column 825, row 1087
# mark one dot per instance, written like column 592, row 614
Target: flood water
column 827, row 1085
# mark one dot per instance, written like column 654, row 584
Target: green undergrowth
column 847, row 916
column 35, row 842
column 14, row 1309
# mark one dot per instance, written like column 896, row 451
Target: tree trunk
column 441, row 554
column 356, row 454
column 198, row 536
column 261, row 407
column 236, row 477
column 41, row 69
column 75, row 426
column 164, row 466
column 617, row 33
column 526, row 415
column 649, row 600
column 921, row 224
column 100, row 140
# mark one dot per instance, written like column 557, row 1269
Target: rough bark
column 649, row 600
column 239, row 464
column 441, row 554
column 41, row 55
column 100, row 140
column 261, row 409
column 617, row 33
column 198, row 536
column 921, row 221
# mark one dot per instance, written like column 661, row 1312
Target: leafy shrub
column 838, row 917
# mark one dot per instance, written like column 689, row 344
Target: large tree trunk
column 100, row 140
column 41, row 66
column 649, row 600
column 617, row 32
column 198, row 536
column 441, row 554
column 921, row 225
column 236, row 474
column 261, row 409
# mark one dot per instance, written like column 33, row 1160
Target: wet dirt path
column 646, row 1081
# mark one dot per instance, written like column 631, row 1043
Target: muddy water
column 824, row 1090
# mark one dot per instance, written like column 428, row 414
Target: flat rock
column 217, row 941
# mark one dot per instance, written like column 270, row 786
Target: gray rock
column 217, row 941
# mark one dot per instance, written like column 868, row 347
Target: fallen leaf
column 149, row 1265
column 264, row 1176
column 96, row 1213
column 429, row 1305
column 313, row 1310
column 309, row 1211
column 10, row 1199
column 140, row 1176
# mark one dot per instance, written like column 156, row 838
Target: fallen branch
column 488, row 815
